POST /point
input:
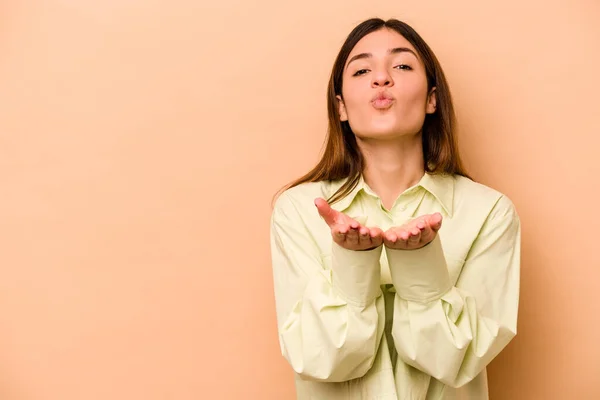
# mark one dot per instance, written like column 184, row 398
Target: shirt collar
column 441, row 186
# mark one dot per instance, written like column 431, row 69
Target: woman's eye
column 360, row 72
column 403, row 66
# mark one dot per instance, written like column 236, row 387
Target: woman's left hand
column 414, row 234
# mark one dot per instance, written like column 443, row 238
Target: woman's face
column 384, row 90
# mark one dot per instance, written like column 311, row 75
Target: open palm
column 347, row 232
column 414, row 234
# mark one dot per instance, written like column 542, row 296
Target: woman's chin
column 382, row 134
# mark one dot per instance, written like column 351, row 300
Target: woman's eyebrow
column 395, row 50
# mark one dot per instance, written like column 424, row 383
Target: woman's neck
column 391, row 167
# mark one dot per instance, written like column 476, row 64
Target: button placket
column 406, row 207
column 400, row 209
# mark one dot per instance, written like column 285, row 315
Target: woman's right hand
column 347, row 232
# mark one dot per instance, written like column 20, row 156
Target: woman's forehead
column 381, row 40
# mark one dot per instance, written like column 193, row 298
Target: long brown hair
column 342, row 158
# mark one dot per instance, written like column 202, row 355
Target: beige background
column 140, row 145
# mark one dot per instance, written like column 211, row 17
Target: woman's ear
column 342, row 109
column 431, row 101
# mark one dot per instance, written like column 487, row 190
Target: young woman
column 396, row 276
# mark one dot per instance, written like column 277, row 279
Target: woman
column 396, row 276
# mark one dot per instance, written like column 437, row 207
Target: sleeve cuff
column 420, row 275
column 356, row 275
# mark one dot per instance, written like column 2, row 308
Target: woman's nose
column 382, row 78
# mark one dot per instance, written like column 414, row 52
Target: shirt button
column 403, row 208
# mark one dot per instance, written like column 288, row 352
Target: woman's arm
column 453, row 332
column 330, row 321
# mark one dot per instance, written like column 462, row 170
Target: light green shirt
column 396, row 324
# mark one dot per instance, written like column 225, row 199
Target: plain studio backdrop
column 141, row 143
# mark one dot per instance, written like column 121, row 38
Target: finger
column 368, row 242
column 415, row 237
column 425, row 229
column 363, row 231
column 391, row 236
column 325, row 211
column 397, row 239
column 377, row 239
column 354, row 224
column 375, row 233
column 404, row 235
column 364, row 235
column 352, row 236
column 340, row 229
column 435, row 221
column 343, row 228
column 339, row 233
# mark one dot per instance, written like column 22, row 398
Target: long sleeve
column 330, row 320
column 452, row 332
